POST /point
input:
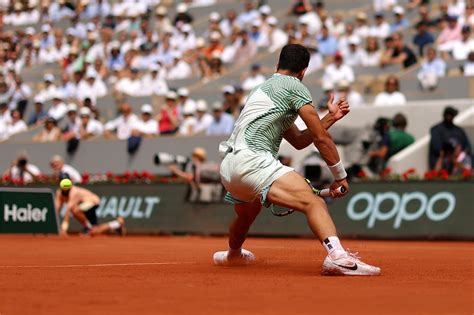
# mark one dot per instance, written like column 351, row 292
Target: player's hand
column 335, row 188
column 339, row 109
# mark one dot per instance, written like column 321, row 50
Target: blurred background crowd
column 84, row 70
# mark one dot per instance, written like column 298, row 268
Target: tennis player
column 82, row 204
column 254, row 177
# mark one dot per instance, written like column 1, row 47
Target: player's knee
column 310, row 205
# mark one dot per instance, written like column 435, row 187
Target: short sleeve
column 299, row 96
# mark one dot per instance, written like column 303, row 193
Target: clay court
column 174, row 275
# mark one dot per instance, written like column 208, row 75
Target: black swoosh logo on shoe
column 348, row 267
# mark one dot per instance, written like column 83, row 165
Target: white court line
column 102, row 265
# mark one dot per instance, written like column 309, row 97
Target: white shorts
column 247, row 175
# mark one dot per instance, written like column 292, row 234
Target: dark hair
column 293, row 57
column 399, row 121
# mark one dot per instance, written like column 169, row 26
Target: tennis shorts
column 247, row 175
column 90, row 212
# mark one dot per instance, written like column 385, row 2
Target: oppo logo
column 390, row 205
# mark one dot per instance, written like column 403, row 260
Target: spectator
column 453, row 159
column 327, row 44
column 328, row 89
column 257, row 35
column 450, row 33
column 424, row 13
column 214, row 45
column 92, row 87
column 122, row 125
column 462, row 47
column 16, row 125
column 21, row 170
column 392, row 95
column 338, row 71
column 468, row 67
column 49, row 90
column 146, row 127
column 73, row 123
column 300, row 7
column 168, row 118
column 361, row 29
column 187, row 127
column 50, row 133
column 20, row 92
column 399, row 139
column 59, row 108
column 399, row 53
column 180, row 69
column 312, row 19
column 222, row 124
column 443, row 133
column 372, row 54
column 354, row 56
column 246, row 49
column 254, row 79
column 316, row 61
column 154, row 83
column 5, row 93
column 39, row 115
column 400, row 23
column 383, row 5
column 5, row 114
column 344, row 91
column 422, row 37
column 89, row 127
column 277, row 38
column 381, row 29
column 182, row 16
column 431, row 70
column 229, row 105
column 248, row 15
column 184, row 101
column 203, row 118
column 229, row 23
column 61, row 170
column 131, row 85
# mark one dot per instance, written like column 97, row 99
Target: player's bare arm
column 323, row 141
column 301, row 139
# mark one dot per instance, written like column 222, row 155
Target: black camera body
column 22, row 163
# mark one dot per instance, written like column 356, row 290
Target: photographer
column 202, row 176
column 21, row 170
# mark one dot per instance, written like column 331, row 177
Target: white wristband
column 338, row 171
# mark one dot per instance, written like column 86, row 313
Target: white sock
column 88, row 225
column 115, row 224
column 235, row 252
column 334, row 248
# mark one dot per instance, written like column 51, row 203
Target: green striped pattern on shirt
column 288, row 95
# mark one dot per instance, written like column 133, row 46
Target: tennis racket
column 326, row 192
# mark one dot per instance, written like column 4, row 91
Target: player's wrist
column 338, row 171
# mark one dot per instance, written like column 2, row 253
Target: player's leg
column 81, row 217
column 117, row 225
column 292, row 191
column 246, row 213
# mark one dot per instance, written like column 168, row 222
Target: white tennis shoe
column 350, row 265
column 224, row 259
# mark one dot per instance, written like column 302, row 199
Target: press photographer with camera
column 22, row 170
column 202, row 176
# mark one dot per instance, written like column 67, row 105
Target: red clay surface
column 105, row 275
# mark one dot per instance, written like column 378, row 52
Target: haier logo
column 395, row 207
column 13, row 213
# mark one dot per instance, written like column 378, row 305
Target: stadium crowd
column 132, row 48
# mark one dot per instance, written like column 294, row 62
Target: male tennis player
column 254, row 177
column 82, row 204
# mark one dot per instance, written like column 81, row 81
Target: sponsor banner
column 27, row 210
column 371, row 210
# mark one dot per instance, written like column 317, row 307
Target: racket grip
column 326, row 192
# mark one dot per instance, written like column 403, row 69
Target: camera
column 162, row 158
column 22, row 162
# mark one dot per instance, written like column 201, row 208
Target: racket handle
column 326, row 192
